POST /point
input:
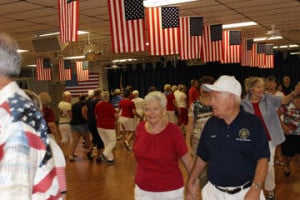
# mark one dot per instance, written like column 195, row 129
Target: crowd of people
column 226, row 138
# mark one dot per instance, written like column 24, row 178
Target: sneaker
column 111, row 162
column 270, row 197
column 89, row 156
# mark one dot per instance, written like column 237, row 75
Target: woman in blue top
column 264, row 105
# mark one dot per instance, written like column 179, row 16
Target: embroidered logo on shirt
column 244, row 134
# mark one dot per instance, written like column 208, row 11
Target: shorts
column 82, row 128
column 127, row 124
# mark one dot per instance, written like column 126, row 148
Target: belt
column 236, row 189
column 65, row 123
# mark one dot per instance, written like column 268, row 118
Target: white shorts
column 140, row 194
column 127, row 124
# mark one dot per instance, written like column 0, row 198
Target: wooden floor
column 102, row 181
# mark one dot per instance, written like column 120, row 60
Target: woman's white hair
column 9, row 57
column 156, row 96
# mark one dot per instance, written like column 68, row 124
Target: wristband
column 257, row 185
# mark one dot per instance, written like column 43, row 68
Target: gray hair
column 251, row 82
column 9, row 57
column 156, row 96
column 104, row 96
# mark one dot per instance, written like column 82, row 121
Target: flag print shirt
column 26, row 163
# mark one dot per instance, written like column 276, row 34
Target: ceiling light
column 295, row 53
column 123, row 60
column 238, row 25
column 74, row 57
column 22, row 50
column 286, row 46
column 267, row 38
column 158, row 3
column 33, row 65
column 57, row 33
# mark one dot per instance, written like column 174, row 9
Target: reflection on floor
column 102, row 181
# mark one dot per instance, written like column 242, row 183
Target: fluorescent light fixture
column 123, row 60
column 74, row 57
column 158, row 3
column 295, row 53
column 57, row 33
column 238, row 25
column 267, row 38
column 33, row 65
column 286, row 46
column 22, row 50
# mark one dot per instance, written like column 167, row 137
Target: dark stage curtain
column 142, row 76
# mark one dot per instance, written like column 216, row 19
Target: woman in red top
column 158, row 146
column 127, row 120
column 106, row 117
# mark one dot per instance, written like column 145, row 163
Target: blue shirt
column 267, row 106
column 232, row 151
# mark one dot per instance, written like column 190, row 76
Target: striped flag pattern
column 68, row 20
column 191, row 29
column 231, row 46
column 127, row 25
column 64, row 69
column 43, row 69
column 212, row 43
column 269, row 60
column 82, row 70
column 76, row 88
column 259, row 55
column 246, row 52
column 163, row 30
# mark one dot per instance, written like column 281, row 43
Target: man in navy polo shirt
column 233, row 145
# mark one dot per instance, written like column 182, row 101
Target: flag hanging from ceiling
column 231, row 46
column 247, row 52
column 43, row 69
column 163, row 30
column 269, row 59
column 191, row 29
column 68, row 12
column 127, row 25
column 64, row 69
column 82, row 70
column 212, row 43
column 77, row 88
column 259, row 55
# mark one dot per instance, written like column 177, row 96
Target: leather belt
column 236, row 189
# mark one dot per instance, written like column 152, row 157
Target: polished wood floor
column 102, row 181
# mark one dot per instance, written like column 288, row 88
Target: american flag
column 191, row 29
column 232, row 46
column 246, row 52
column 43, row 69
column 259, row 55
column 127, row 25
column 76, row 88
column 64, row 69
column 269, row 60
column 68, row 20
column 82, row 70
column 212, row 43
column 163, row 30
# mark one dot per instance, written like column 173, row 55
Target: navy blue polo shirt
column 231, row 151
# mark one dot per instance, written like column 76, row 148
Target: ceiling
column 24, row 19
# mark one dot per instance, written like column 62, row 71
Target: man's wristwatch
column 257, row 185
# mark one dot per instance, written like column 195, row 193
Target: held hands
column 193, row 191
column 253, row 194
